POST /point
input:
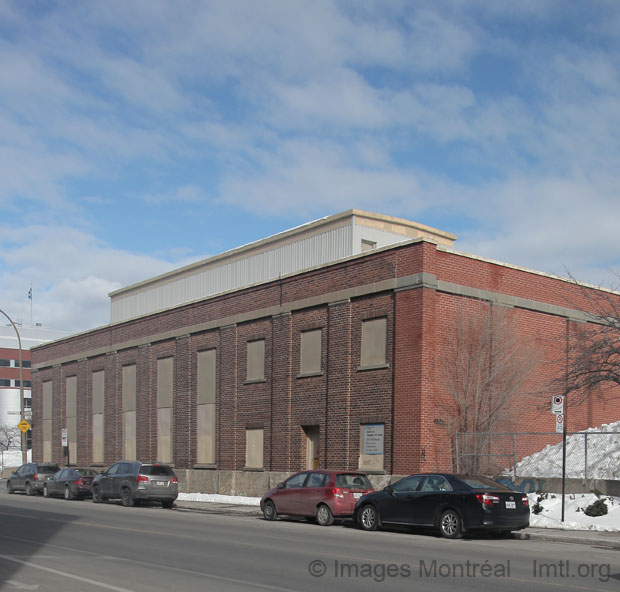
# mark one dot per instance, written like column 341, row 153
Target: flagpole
column 30, row 295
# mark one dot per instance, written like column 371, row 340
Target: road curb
column 575, row 537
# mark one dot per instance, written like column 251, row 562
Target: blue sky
column 139, row 136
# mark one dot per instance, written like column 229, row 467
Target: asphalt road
column 52, row 544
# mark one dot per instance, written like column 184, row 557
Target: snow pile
column 600, row 446
column 574, row 516
column 220, row 499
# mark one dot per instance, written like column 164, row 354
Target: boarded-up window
column 254, row 448
column 71, row 417
column 310, row 354
column 373, row 343
column 47, row 421
column 165, row 369
column 207, row 384
column 256, row 360
column 129, row 412
column 98, row 409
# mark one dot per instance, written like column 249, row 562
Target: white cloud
column 71, row 274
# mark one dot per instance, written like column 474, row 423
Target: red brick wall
column 408, row 395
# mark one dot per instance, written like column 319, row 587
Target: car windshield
column 156, row 470
column 480, row 483
column 353, row 481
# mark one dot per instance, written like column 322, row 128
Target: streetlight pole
column 21, row 384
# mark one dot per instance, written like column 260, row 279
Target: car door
column 397, row 506
column 106, row 481
column 54, row 483
column 313, row 491
column 126, row 475
column 287, row 498
column 17, row 478
column 431, row 497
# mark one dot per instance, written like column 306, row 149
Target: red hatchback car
column 319, row 493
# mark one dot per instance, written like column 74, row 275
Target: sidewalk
column 584, row 537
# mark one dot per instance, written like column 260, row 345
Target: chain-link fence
column 589, row 455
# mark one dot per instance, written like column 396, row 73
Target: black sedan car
column 70, row 483
column 453, row 504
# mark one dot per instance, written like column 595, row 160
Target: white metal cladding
column 305, row 253
column 382, row 238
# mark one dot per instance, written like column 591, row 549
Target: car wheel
column 324, row 516
column 68, row 493
column 167, row 504
column 269, row 511
column 126, row 498
column 46, row 492
column 450, row 525
column 29, row 489
column 9, row 487
column 368, row 517
column 97, row 497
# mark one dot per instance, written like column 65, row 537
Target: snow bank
column 601, row 447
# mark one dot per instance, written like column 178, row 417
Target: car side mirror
column 388, row 489
column 280, row 485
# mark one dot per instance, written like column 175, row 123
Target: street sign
column 559, row 423
column 65, row 437
column 24, row 426
column 557, row 404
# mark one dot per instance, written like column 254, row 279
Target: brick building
column 321, row 346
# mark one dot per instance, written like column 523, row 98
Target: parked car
column 134, row 481
column 30, row 477
column 70, row 483
column 320, row 493
column 454, row 504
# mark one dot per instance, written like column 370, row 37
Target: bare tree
column 10, row 437
column 487, row 365
column 593, row 352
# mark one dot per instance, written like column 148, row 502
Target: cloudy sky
column 137, row 136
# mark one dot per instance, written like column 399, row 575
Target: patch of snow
column 219, row 499
column 574, row 516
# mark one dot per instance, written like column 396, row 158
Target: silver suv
column 132, row 481
column 30, row 477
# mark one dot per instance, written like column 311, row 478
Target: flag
column 30, row 294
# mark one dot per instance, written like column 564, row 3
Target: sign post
column 65, row 443
column 557, row 408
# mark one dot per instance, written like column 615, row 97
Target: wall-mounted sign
column 373, row 438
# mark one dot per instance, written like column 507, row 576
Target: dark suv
column 30, row 477
column 132, row 481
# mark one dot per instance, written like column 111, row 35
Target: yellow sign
column 23, row 425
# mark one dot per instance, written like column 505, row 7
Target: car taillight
column 525, row 501
column 36, row 476
column 174, row 480
column 80, row 481
column 141, row 478
column 487, row 500
column 337, row 492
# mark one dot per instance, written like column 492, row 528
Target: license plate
column 357, row 495
column 511, row 505
column 160, row 482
